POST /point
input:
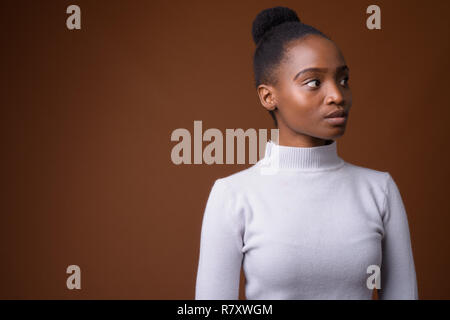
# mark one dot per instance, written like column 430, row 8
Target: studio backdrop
column 96, row 95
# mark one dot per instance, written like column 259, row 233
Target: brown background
column 87, row 117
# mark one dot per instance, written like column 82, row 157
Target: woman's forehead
column 313, row 52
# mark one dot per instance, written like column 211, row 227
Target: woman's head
column 299, row 99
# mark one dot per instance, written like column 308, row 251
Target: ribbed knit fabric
column 306, row 159
column 305, row 224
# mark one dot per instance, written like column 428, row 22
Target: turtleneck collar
column 302, row 158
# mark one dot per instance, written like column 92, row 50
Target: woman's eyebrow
column 341, row 68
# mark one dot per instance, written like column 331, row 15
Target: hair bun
column 270, row 18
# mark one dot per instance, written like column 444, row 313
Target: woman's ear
column 267, row 96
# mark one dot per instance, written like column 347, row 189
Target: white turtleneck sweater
column 305, row 224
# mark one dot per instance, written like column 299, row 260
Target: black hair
column 272, row 30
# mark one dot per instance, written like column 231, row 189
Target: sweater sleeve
column 221, row 244
column 398, row 275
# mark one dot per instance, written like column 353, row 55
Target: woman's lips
column 336, row 120
column 337, row 113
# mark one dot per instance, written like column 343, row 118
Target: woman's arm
column 221, row 255
column 398, row 275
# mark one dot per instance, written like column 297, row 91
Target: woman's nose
column 334, row 95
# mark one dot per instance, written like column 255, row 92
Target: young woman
column 317, row 227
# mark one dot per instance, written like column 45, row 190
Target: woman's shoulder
column 366, row 174
column 240, row 180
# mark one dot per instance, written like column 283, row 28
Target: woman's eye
column 315, row 83
column 312, row 82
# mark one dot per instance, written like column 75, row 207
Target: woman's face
column 304, row 98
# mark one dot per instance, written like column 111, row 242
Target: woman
column 318, row 227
